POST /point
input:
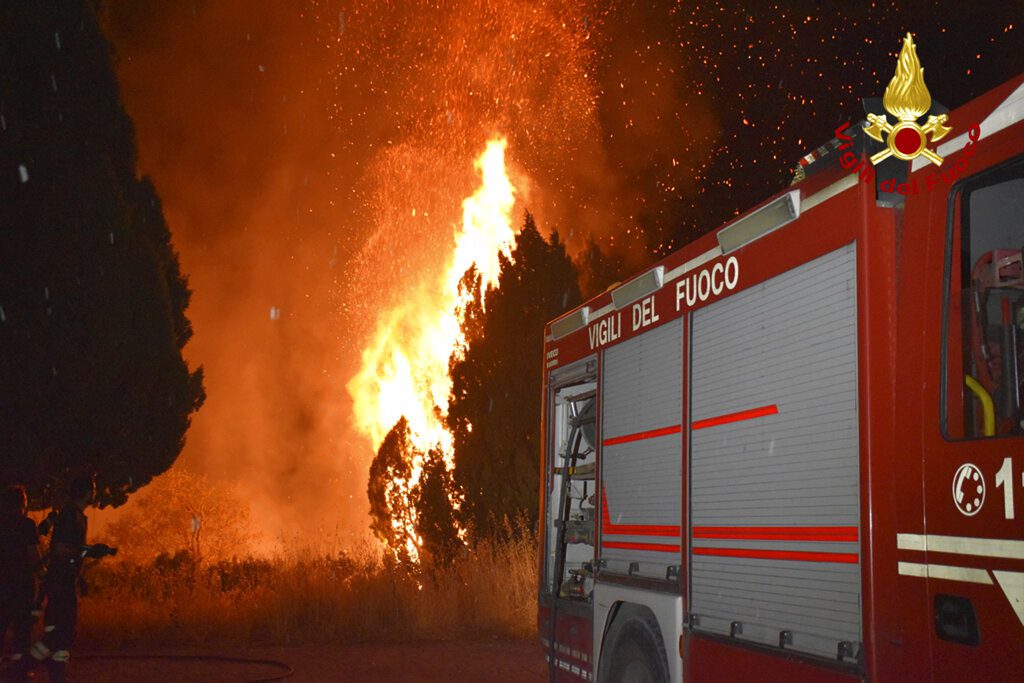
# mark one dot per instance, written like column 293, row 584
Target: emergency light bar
column 769, row 217
column 637, row 288
column 570, row 323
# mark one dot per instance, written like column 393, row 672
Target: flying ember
column 404, row 370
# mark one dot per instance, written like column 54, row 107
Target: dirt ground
column 494, row 660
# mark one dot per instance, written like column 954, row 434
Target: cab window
column 983, row 357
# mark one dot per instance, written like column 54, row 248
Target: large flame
column 404, row 371
column 907, row 98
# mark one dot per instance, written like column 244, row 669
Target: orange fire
column 404, row 370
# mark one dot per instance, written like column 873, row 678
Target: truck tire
column 638, row 655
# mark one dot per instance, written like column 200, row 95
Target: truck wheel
column 639, row 654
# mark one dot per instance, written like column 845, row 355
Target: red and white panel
column 774, row 464
column 641, row 456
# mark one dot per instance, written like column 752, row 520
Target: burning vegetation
column 311, row 594
column 446, row 377
column 404, row 382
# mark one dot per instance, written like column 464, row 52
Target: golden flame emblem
column 907, row 99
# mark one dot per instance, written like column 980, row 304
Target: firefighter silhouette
column 19, row 562
column 63, row 568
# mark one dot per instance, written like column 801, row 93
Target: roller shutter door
column 641, row 409
column 774, row 470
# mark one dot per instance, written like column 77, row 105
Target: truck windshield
column 984, row 350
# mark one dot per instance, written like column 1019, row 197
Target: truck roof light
column 637, row 288
column 570, row 323
column 769, row 217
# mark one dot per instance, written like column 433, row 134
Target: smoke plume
column 312, row 159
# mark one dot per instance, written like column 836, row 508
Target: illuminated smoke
column 312, row 159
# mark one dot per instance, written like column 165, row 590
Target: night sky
column 312, row 158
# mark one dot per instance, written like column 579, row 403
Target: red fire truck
column 793, row 450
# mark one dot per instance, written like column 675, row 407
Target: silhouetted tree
column 494, row 413
column 598, row 270
column 92, row 299
column 400, row 508
column 437, row 523
column 390, row 472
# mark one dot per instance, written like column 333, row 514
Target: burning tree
column 496, row 384
column 393, row 514
column 492, row 413
column 404, row 376
column 410, row 516
column 452, row 378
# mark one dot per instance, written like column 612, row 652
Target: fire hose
column 100, row 550
column 285, row 671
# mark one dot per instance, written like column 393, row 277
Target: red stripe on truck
column 845, row 558
column 640, row 530
column 779, row 533
column 640, row 436
column 736, row 417
column 656, row 547
column 634, row 529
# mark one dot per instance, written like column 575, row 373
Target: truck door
column 565, row 612
column 774, row 469
column 972, row 550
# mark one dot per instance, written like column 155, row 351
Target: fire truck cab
column 794, row 449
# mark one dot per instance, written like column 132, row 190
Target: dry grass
column 312, row 596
